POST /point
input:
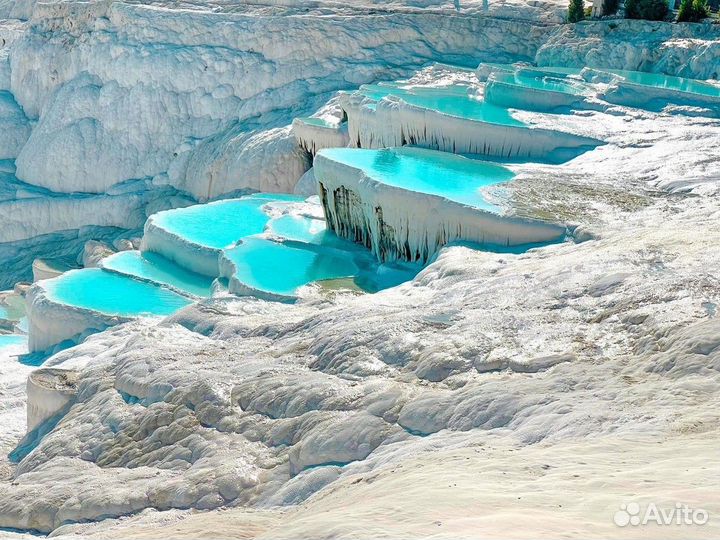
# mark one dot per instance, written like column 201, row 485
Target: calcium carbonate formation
column 499, row 263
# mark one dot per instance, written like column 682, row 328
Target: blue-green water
column 112, row 294
column 657, row 80
column 447, row 175
column 300, row 228
column 220, row 224
column 157, row 268
column 540, row 82
column 309, row 231
column 660, row 80
column 12, row 340
column 452, row 100
column 555, row 70
column 281, row 269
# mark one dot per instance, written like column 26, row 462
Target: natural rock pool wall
column 51, row 323
column 49, row 391
column 398, row 224
column 393, row 122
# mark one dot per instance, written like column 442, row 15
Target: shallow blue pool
column 112, row 294
column 300, row 228
column 221, row 224
column 281, row 269
column 12, row 340
column 540, row 82
column 670, row 82
column 447, row 175
column 452, row 100
column 555, row 70
column 157, row 268
column 308, row 230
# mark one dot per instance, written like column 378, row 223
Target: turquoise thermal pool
column 659, row 80
column 12, row 340
column 451, row 100
column 539, row 81
column 112, row 294
column 453, row 177
column 220, row 224
column 281, row 269
column 308, row 230
column 153, row 267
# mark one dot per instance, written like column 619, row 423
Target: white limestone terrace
column 66, row 309
column 98, row 96
column 325, row 385
column 196, row 95
column 657, row 92
column 510, row 385
column 536, row 89
column 395, row 120
column 220, row 71
column 294, row 408
column 314, row 133
column 269, row 246
column 405, row 204
column 194, row 237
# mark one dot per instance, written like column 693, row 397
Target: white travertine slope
column 241, row 402
column 564, row 369
column 180, row 76
column 402, row 224
column 49, row 392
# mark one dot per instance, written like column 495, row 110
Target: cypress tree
column 576, row 11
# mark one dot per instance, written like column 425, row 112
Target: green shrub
column 652, row 10
column 693, row 10
column 610, row 7
column 576, row 11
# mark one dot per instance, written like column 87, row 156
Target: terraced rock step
column 194, row 237
column 667, row 82
column 90, row 300
column 406, row 203
column 155, row 268
column 535, row 90
column 547, row 88
column 451, row 118
column 314, row 134
column 275, row 271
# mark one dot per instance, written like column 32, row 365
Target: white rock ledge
column 49, row 391
column 51, row 323
column 228, row 270
column 394, row 122
column 656, row 99
column 313, row 137
column 398, row 224
column 190, row 255
column 531, row 99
